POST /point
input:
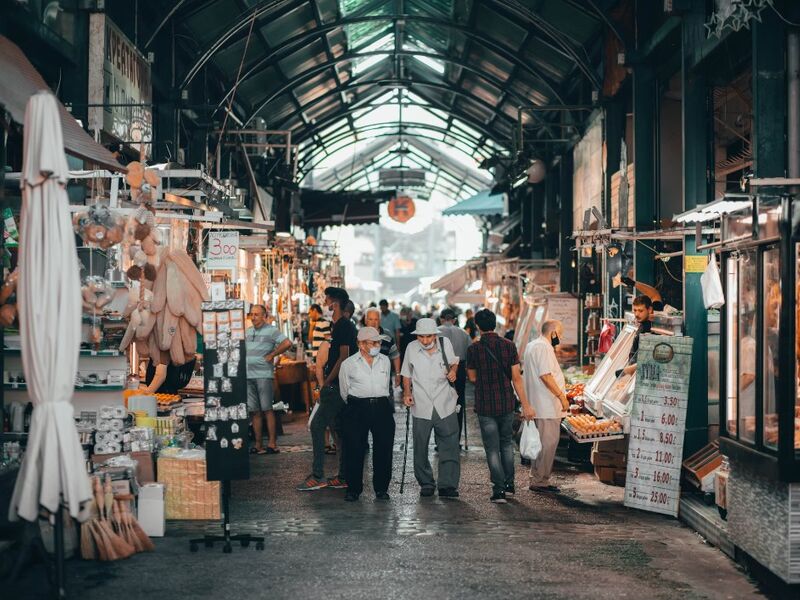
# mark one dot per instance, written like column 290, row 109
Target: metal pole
column 60, row 589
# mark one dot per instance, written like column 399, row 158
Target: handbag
column 713, row 296
column 446, row 363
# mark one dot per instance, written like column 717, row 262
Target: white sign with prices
column 223, row 250
column 658, row 424
column 565, row 310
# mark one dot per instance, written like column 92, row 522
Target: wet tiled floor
column 581, row 543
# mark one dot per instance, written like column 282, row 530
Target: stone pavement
column 581, row 543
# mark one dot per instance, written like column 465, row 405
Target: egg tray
column 593, row 436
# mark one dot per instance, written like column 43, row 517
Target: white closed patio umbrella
column 53, row 472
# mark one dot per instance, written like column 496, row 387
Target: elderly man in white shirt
column 364, row 385
column 428, row 370
column 544, row 386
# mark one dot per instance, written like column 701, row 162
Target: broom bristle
column 88, row 546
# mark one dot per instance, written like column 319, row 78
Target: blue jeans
column 499, row 447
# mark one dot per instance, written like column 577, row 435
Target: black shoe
column 351, row 497
column 510, row 490
column 448, row 493
column 498, row 498
column 426, row 492
column 381, row 496
column 525, row 462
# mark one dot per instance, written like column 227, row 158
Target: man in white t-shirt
column 544, row 386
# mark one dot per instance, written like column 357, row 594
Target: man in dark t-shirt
column 330, row 405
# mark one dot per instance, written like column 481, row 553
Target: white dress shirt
column 360, row 379
column 539, row 359
column 430, row 388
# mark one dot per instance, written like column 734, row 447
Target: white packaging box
column 151, row 509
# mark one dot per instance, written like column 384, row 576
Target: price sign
column 658, row 423
column 564, row 309
column 223, row 250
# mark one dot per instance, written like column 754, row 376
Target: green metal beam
column 697, row 189
column 645, row 122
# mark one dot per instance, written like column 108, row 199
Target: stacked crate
column 610, row 461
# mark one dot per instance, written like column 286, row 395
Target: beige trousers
column 549, row 433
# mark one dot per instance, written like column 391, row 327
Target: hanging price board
column 658, row 424
column 223, row 250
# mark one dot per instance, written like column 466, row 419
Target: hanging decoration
column 735, row 15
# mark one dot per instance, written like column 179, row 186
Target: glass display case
column 760, row 414
column 604, row 377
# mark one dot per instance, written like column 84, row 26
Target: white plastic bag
column 710, row 282
column 530, row 445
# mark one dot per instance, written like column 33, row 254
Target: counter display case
column 760, row 390
column 604, row 378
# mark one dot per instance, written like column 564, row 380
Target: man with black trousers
column 364, row 384
column 493, row 366
column 343, row 344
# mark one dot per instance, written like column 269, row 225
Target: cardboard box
column 187, row 493
column 608, row 459
column 605, row 474
column 151, row 509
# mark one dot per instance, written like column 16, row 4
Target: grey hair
column 372, row 309
column 550, row 326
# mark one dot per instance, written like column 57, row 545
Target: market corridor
column 581, row 543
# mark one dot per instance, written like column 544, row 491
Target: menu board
column 224, row 372
column 564, row 309
column 658, row 423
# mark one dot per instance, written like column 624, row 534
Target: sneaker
column 426, row 492
column 448, row 493
column 498, row 498
column 280, row 407
column 510, row 489
column 351, row 497
column 381, row 496
column 312, row 483
column 337, row 483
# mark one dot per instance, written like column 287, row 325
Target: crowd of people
column 365, row 366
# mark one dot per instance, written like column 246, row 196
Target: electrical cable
column 782, row 18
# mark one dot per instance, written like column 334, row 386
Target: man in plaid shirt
column 493, row 366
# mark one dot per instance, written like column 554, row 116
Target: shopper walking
column 407, row 325
column 343, row 345
column 364, row 383
column 460, row 340
column 493, row 366
column 470, row 326
column 372, row 318
column 428, row 370
column 390, row 321
column 544, row 383
column 319, row 329
column 263, row 343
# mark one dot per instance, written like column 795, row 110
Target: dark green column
column 696, row 190
column 645, row 122
column 552, row 218
column 538, row 199
column 565, row 244
column 769, row 96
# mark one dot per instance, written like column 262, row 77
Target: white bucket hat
column 370, row 334
column 426, row 327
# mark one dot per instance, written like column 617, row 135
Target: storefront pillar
column 565, row 253
column 526, row 225
column 645, row 121
column 697, row 185
column 538, row 199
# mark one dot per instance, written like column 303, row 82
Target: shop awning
column 20, row 81
column 482, row 204
column 326, row 208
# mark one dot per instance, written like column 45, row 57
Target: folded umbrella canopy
column 53, row 470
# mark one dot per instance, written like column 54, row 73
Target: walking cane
column 466, row 439
column 405, row 453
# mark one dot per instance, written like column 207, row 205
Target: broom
column 120, row 548
column 88, row 541
column 134, row 532
column 95, row 544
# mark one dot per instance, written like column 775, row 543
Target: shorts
column 259, row 394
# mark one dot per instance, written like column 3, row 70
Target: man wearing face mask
column 429, row 369
column 364, row 384
column 544, row 385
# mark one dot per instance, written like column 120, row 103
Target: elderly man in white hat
column 429, row 371
column 364, row 385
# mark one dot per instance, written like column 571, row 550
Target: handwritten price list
column 658, row 423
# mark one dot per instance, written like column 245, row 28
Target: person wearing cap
column 429, row 369
column 372, row 318
column 364, row 385
column 461, row 342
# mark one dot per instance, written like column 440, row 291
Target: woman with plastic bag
column 544, row 384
